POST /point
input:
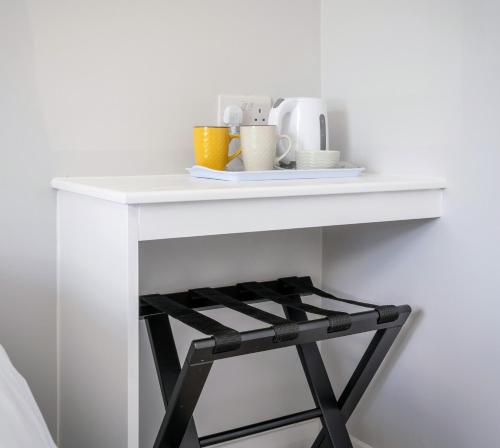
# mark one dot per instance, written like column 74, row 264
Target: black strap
column 226, row 338
column 284, row 329
column 337, row 321
column 386, row 313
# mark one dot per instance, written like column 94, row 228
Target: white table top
column 184, row 188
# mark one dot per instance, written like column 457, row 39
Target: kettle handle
column 280, row 108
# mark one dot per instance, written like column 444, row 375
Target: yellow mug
column 211, row 146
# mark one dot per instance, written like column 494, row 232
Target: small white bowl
column 316, row 160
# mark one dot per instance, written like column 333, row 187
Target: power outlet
column 255, row 108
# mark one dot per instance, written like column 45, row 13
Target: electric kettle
column 304, row 120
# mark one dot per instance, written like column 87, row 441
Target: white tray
column 277, row 174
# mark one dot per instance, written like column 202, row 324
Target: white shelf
column 174, row 206
column 184, row 188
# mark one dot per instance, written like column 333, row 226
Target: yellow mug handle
column 237, row 153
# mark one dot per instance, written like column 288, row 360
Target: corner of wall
column 359, row 444
column 322, row 255
column 321, row 46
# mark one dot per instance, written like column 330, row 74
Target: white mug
column 258, row 147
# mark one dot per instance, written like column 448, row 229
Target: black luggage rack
column 181, row 387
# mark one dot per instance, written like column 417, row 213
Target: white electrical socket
column 255, row 108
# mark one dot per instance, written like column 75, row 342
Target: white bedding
column 21, row 423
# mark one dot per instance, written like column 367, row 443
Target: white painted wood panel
column 97, row 323
column 185, row 219
column 184, row 188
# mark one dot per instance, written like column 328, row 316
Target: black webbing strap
column 386, row 313
column 284, row 329
column 226, row 338
column 337, row 321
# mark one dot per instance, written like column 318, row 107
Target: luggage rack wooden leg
column 334, row 429
column 169, row 373
column 181, row 388
column 362, row 376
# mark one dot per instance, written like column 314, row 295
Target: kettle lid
column 298, row 99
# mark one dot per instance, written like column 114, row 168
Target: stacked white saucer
column 316, row 160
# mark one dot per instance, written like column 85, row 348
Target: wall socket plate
column 255, row 108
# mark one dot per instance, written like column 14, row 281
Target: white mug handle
column 289, row 140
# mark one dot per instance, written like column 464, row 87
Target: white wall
column 112, row 87
column 246, row 389
column 414, row 88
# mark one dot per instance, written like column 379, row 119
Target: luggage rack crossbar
column 256, row 428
